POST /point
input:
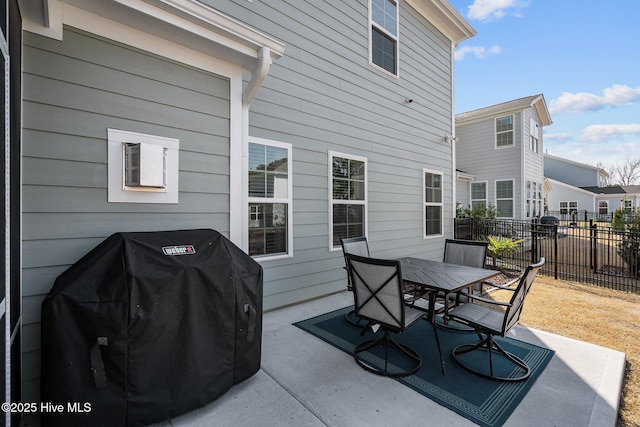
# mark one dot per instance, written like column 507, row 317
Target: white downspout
column 454, row 178
column 258, row 76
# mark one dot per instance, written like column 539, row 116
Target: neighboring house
column 284, row 125
column 611, row 198
column 568, row 182
column 574, row 173
column 501, row 147
column 580, row 188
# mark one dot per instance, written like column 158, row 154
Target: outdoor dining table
column 441, row 277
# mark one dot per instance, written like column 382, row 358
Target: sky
column 582, row 55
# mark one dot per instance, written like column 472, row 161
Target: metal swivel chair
column 490, row 322
column 379, row 299
column 355, row 246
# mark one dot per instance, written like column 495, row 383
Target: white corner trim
column 53, row 19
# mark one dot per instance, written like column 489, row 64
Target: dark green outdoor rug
column 485, row 402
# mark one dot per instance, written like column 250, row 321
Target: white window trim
column 288, row 200
column 513, row 198
column 425, row 204
column 395, row 37
column 495, row 132
column 606, row 203
column 486, row 193
column 365, row 202
column 534, row 132
column 117, row 191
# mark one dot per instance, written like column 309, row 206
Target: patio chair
column 355, row 246
column 379, row 299
column 466, row 252
column 490, row 322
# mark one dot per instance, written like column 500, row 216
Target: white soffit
column 445, row 18
column 186, row 22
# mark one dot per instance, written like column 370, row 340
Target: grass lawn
column 597, row 315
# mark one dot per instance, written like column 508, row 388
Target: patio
column 307, row 382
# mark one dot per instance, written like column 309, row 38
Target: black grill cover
column 148, row 326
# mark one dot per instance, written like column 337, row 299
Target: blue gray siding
column 323, row 95
column 477, row 155
column 570, row 172
column 74, row 91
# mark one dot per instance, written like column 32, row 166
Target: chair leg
column 353, row 319
column 387, row 341
column 435, row 332
column 490, row 345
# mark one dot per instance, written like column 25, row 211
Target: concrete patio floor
column 304, row 381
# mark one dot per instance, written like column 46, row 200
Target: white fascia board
column 47, row 17
column 554, row 182
column 445, row 18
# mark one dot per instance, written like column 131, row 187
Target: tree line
column 625, row 173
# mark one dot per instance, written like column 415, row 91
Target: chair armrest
column 506, row 288
column 488, row 301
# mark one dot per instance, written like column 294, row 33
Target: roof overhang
column 536, row 102
column 445, row 18
column 186, row 22
column 464, row 176
column 540, row 105
column 555, row 183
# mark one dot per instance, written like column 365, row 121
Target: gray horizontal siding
column 73, row 91
column 476, row 154
column 323, row 95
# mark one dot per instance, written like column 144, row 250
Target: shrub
column 629, row 246
column 478, row 211
column 501, row 246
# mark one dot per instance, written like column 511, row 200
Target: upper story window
column 534, row 131
column 432, row 203
column 504, row 131
column 383, row 38
column 504, row 198
column 269, row 198
column 478, row 195
column 348, row 195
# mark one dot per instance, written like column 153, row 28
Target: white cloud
column 580, row 102
column 489, row 10
column 600, row 133
column 480, row 52
column 557, row 138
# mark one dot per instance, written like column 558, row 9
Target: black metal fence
column 581, row 251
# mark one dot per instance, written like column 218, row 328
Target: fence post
column 534, row 239
column 555, row 251
column 594, row 245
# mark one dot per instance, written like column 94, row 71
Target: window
column 504, row 131
column 384, row 35
column 269, row 198
column 568, row 208
column 478, row 195
column 533, row 134
column 627, row 205
column 504, row 198
column 534, row 199
column 348, row 195
column 432, row 203
column 603, row 207
column 529, row 198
